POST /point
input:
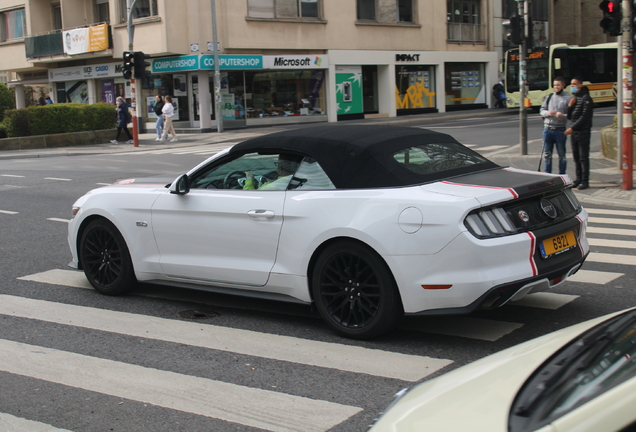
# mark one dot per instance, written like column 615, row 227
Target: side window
column 310, row 176
column 251, row 171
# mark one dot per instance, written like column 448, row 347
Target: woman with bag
column 159, row 125
column 168, row 113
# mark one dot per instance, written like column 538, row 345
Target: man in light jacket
column 554, row 112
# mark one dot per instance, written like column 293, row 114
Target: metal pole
column 133, row 100
column 619, row 97
column 217, row 72
column 628, row 120
column 523, row 113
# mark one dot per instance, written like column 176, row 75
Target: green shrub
column 59, row 118
column 6, row 100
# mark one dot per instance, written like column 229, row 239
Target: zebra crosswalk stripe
column 611, row 258
column 265, row 409
column 284, row 348
column 612, row 221
column 9, row 423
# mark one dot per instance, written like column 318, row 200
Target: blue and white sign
column 175, row 64
column 227, row 61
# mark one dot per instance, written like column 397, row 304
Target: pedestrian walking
column 158, row 110
column 123, row 118
column 580, row 112
column 168, row 112
column 499, row 95
column 554, row 111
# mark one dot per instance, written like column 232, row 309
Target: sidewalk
column 605, row 179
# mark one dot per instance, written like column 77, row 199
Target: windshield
column 537, row 72
column 584, row 369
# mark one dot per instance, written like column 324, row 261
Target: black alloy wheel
column 355, row 292
column 105, row 258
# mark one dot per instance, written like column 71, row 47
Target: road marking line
column 612, row 243
column 8, row 212
column 247, row 406
column 492, row 147
column 9, row 423
column 544, row 300
column 284, row 348
column 611, row 258
column 594, row 277
column 58, row 220
column 69, row 278
column 57, row 179
column 610, row 212
column 11, row 175
column 611, row 231
column 466, row 327
column 103, row 184
column 612, row 221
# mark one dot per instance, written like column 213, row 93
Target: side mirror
column 181, row 185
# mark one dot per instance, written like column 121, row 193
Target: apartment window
column 366, row 10
column 12, row 24
column 464, row 21
column 102, row 12
column 405, row 11
column 283, row 8
column 142, row 9
column 57, row 17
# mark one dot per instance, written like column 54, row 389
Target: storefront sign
column 175, row 64
column 407, row 57
column 310, row 61
column 109, row 70
column 227, row 61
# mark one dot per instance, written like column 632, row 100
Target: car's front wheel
column 105, row 258
column 355, row 292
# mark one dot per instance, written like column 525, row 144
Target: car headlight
column 74, row 211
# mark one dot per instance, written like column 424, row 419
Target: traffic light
column 612, row 17
column 515, row 30
column 141, row 64
column 128, row 65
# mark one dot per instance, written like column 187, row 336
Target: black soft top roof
column 359, row 156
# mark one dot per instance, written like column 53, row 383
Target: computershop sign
column 227, row 61
column 205, row 62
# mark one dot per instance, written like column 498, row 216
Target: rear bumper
column 502, row 294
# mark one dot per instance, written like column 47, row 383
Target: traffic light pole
column 523, row 112
column 133, row 90
column 627, row 132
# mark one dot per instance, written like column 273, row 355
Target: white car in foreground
column 366, row 222
column 582, row 379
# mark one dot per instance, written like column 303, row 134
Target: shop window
column 142, row 9
column 464, row 85
column 366, row 10
column 415, row 89
column 275, row 9
column 284, row 93
column 464, row 21
column 12, row 24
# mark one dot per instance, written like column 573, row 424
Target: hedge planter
column 71, row 139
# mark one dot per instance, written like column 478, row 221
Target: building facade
column 281, row 61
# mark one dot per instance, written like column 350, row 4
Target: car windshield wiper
column 577, row 357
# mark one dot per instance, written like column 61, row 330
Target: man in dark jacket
column 580, row 113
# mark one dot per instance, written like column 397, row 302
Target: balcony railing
column 466, row 33
column 52, row 44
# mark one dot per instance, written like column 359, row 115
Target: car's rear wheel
column 355, row 292
column 105, row 258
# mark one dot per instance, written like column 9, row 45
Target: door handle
column 261, row 214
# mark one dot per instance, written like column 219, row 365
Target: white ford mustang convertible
column 368, row 223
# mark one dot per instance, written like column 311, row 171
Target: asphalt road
column 166, row 359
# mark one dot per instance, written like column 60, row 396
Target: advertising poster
column 150, row 103
column 349, row 90
column 75, row 41
column 227, row 101
column 108, row 91
column 98, row 38
column 77, row 91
